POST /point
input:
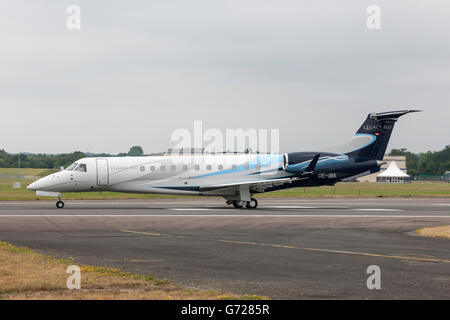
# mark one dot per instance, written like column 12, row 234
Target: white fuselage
column 180, row 174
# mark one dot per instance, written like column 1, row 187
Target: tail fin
column 371, row 140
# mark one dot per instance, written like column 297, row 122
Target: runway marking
column 147, row 233
column 304, row 207
column 377, row 255
column 290, row 207
column 79, row 202
column 377, row 209
column 138, row 260
column 217, row 216
column 441, row 204
column 188, row 209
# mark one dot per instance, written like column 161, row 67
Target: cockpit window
column 81, row 167
column 72, row 166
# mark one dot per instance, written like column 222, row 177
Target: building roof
column 393, row 171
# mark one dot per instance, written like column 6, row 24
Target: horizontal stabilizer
column 390, row 115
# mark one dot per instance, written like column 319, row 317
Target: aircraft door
column 102, row 172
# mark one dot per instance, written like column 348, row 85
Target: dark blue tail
column 377, row 128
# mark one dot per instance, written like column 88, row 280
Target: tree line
column 427, row 163
column 50, row 161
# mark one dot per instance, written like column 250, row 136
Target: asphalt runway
column 285, row 249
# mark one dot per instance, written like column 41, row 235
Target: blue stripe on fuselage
column 264, row 160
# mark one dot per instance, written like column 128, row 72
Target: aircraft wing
column 261, row 185
column 255, row 185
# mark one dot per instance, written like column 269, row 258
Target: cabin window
column 173, row 168
column 220, row 167
column 197, row 167
column 233, row 167
column 81, row 167
column 142, row 168
column 163, row 168
column 152, row 168
column 208, row 167
column 185, row 168
column 258, row 166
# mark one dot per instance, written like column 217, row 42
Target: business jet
column 235, row 177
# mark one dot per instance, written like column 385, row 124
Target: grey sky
column 137, row 70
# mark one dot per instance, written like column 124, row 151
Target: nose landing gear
column 60, row 203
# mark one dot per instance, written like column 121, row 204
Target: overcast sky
column 137, row 70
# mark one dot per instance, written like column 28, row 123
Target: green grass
column 350, row 189
column 366, row 189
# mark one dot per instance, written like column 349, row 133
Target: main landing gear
column 252, row 204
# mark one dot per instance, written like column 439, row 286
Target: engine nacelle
column 285, row 161
column 324, row 164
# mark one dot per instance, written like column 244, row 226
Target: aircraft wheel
column 252, row 204
column 237, row 204
column 60, row 204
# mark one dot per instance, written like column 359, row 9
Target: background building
column 401, row 163
column 393, row 175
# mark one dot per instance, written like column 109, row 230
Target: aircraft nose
column 41, row 184
column 33, row 186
